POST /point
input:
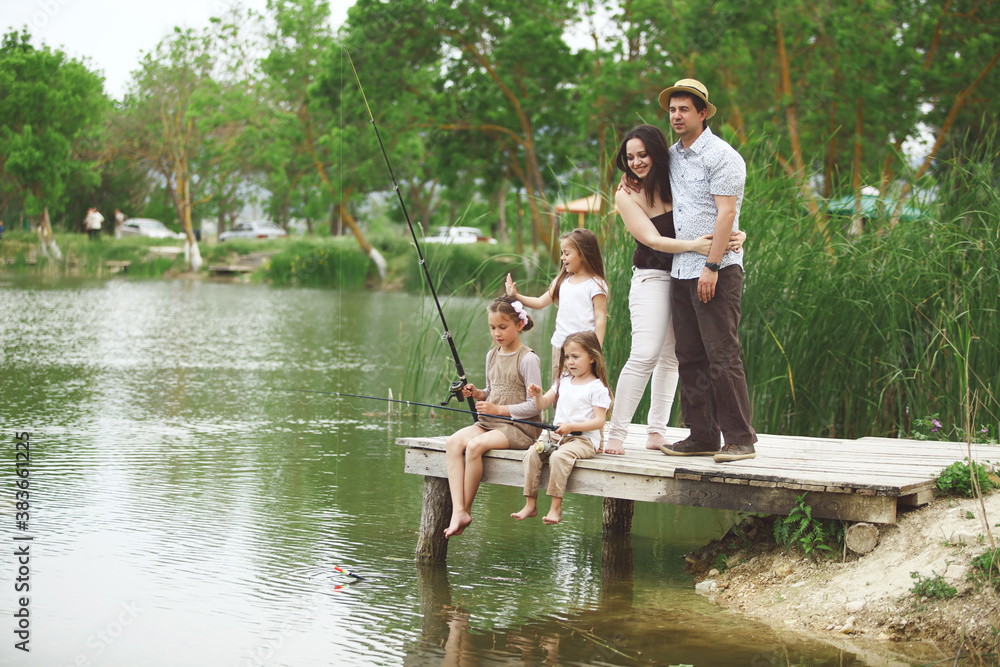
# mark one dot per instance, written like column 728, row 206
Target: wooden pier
column 230, row 269
column 853, row 480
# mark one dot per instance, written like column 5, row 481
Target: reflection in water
column 617, row 570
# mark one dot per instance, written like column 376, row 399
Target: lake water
column 185, row 511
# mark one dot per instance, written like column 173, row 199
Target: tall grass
column 430, row 365
column 335, row 262
column 469, row 270
column 856, row 336
column 850, row 337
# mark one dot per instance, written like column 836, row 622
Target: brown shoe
column 689, row 447
column 735, row 453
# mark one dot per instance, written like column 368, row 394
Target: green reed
column 430, row 366
column 469, row 269
column 855, row 336
column 852, row 336
column 319, row 262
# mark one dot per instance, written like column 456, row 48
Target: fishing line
column 455, row 391
column 541, row 425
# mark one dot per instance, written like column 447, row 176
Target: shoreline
column 335, row 262
column 865, row 603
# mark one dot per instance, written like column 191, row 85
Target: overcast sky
column 112, row 34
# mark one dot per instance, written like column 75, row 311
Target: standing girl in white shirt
column 580, row 290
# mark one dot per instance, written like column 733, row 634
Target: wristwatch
column 713, row 266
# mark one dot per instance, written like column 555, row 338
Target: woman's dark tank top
column 647, row 258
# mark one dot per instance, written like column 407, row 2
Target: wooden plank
column 921, row 497
column 695, row 468
column 747, row 498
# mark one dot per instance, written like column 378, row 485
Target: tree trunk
column 959, row 103
column 502, row 212
column 46, row 239
column 370, row 250
column 520, row 220
column 220, row 222
column 792, row 119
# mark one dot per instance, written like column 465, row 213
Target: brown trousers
column 560, row 465
column 714, row 394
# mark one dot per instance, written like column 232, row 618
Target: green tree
column 489, row 90
column 312, row 155
column 48, row 102
column 187, row 115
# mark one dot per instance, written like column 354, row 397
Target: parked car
column 148, row 227
column 459, row 235
column 255, row 229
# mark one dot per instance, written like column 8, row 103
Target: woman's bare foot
column 552, row 518
column 526, row 512
column 614, row 446
column 655, row 441
column 459, row 522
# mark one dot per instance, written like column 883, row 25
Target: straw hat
column 691, row 86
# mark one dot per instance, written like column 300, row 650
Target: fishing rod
column 455, row 391
column 541, row 425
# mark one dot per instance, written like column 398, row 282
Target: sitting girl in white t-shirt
column 582, row 399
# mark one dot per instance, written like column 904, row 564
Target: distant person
column 580, row 289
column 119, row 221
column 93, row 223
column 511, row 367
column 646, row 209
column 582, row 398
column 1, row 230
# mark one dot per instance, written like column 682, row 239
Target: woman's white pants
column 652, row 354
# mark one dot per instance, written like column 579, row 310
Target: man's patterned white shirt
column 709, row 167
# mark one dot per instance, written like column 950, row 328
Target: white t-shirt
column 576, row 307
column 94, row 220
column 577, row 402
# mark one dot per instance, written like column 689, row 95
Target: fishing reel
column 455, row 391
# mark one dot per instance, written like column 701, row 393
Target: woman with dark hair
column 648, row 215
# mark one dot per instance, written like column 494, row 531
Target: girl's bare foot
column 552, row 518
column 525, row 513
column 614, row 446
column 459, row 522
column 655, row 441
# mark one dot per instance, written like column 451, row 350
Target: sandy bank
column 865, row 602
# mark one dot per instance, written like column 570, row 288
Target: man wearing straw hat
column 707, row 177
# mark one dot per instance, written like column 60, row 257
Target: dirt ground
column 864, row 603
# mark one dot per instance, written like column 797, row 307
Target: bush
column 987, row 565
column 321, row 263
column 956, row 479
column 931, row 587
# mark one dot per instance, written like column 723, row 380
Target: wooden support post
column 432, row 545
column 618, row 516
